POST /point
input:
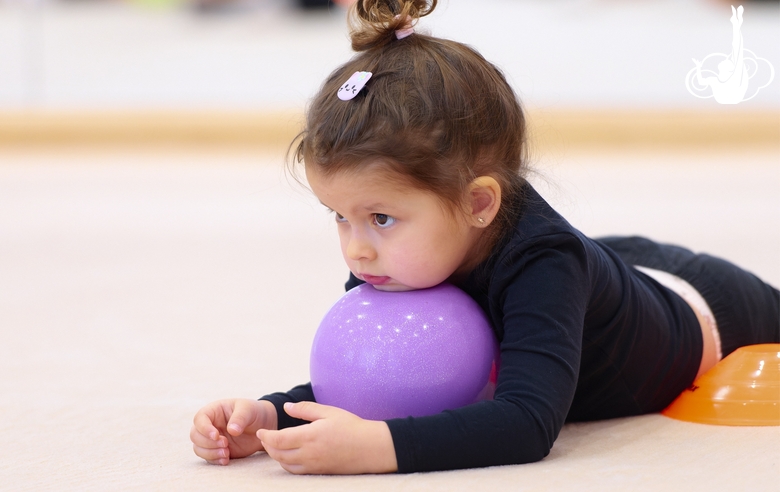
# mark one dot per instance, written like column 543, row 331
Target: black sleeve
column 539, row 303
column 302, row 392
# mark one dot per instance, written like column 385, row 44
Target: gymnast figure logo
column 730, row 84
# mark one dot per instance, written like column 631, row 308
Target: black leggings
column 746, row 309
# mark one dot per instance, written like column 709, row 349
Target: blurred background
column 272, row 54
column 242, row 70
column 154, row 256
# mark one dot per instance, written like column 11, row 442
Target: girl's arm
column 543, row 312
column 335, row 442
column 542, row 300
column 300, row 393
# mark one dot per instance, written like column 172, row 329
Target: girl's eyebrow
column 368, row 208
column 376, row 206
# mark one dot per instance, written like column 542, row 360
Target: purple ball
column 383, row 355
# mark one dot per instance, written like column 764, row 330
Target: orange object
column 742, row 389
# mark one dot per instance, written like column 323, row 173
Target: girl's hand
column 336, row 442
column 227, row 429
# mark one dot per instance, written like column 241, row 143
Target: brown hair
column 434, row 111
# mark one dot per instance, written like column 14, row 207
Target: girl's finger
column 203, row 424
column 271, row 439
column 219, row 456
column 242, row 416
column 205, row 441
column 311, row 411
column 286, row 457
column 295, row 469
column 290, row 438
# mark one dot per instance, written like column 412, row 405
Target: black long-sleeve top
column 582, row 336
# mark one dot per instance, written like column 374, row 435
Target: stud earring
column 481, row 220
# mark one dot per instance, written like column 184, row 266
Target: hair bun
column 374, row 22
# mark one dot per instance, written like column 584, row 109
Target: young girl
column 423, row 167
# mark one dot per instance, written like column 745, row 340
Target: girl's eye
column 339, row 217
column 383, row 220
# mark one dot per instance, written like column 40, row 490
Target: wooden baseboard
column 650, row 129
column 547, row 129
column 151, row 127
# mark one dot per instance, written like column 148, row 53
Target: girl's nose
column 359, row 248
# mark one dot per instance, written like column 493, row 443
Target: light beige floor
column 136, row 286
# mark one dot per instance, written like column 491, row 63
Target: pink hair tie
column 402, row 33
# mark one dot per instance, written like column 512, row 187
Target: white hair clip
column 353, row 85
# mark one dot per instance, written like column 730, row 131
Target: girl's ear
column 484, row 200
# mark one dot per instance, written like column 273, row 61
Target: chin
column 394, row 288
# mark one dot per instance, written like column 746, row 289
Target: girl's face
column 393, row 236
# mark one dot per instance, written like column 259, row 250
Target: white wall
column 557, row 53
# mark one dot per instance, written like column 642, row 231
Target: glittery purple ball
column 383, row 355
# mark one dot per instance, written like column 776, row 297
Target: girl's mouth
column 375, row 280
